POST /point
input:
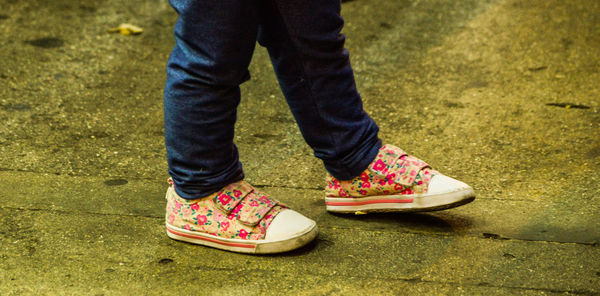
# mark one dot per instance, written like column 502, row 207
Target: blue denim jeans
column 215, row 40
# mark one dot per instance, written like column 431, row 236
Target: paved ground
column 501, row 94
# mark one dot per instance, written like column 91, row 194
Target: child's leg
column 215, row 40
column 313, row 69
column 214, row 45
column 306, row 48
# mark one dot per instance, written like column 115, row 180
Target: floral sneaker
column 396, row 182
column 238, row 218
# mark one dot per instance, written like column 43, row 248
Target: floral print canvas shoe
column 397, row 182
column 237, row 218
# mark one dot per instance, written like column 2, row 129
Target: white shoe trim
column 401, row 203
column 244, row 246
column 287, row 223
column 440, row 184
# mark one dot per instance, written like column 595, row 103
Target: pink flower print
column 178, row 205
column 186, row 211
column 224, row 199
column 237, row 193
column 243, row 233
column 257, row 235
column 187, row 227
column 382, row 182
column 237, row 209
column 224, row 226
column 217, row 217
column 412, row 173
column 420, row 182
column 343, row 192
column 363, row 192
column 254, row 203
column 398, row 187
column 336, row 184
column 265, row 200
column 402, row 170
column 195, row 206
column 379, row 165
column 171, row 219
column 390, row 178
column 365, row 185
column 201, row 219
column 364, row 177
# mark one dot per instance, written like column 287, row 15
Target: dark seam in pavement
column 483, row 284
column 467, row 235
column 411, row 280
column 77, row 212
column 577, row 292
column 65, row 174
column 23, row 171
column 408, row 280
column 137, row 179
column 330, row 227
column 73, row 175
column 255, row 185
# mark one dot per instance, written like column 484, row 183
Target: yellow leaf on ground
column 127, row 29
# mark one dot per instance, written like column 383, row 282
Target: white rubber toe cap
column 443, row 184
column 288, row 224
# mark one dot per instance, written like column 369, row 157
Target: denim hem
column 363, row 162
column 205, row 191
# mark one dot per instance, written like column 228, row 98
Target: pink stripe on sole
column 240, row 245
column 366, row 202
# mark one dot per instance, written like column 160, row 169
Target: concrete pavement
column 500, row 94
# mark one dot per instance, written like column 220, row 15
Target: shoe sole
column 400, row 203
column 243, row 246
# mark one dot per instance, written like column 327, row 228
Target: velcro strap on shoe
column 254, row 208
column 409, row 168
column 385, row 160
column 229, row 198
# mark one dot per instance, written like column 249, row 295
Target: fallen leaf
column 127, row 29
